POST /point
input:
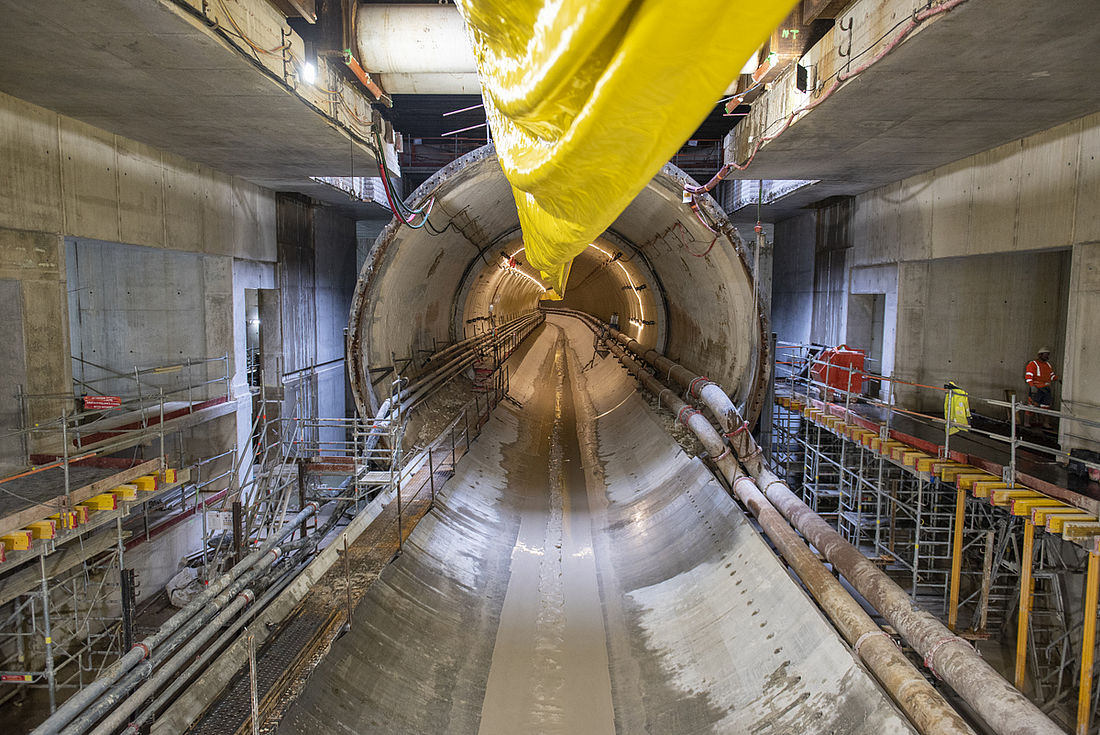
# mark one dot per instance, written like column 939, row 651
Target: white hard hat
column 1044, row 349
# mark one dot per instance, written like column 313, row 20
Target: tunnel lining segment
column 410, row 293
column 675, row 552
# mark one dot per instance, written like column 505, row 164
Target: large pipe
column 203, row 659
column 920, row 701
column 120, row 713
column 79, row 701
column 197, row 626
column 417, row 49
column 1003, row 707
column 467, row 350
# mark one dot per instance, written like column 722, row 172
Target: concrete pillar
column 1081, row 369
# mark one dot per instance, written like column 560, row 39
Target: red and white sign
column 100, row 403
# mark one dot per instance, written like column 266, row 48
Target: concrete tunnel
column 581, row 572
column 417, row 286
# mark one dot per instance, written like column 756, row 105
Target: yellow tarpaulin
column 587, row 99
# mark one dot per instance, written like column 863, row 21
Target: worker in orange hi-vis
column 1039, row 376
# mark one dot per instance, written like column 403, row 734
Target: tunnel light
column 633, row 287
column 309, row 73
column 504, row 263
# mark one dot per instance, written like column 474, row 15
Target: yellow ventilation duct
column 587, row 99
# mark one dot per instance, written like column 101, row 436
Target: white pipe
column 82, row 699
column 124, row 709
column 420, row 83
column 413, row 39
column 1005, row 709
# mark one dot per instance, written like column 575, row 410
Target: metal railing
column 799, row 359
column 931, row 530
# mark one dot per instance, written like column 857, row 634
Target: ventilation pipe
column 416, row 49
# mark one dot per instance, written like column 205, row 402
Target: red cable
column 389, row 198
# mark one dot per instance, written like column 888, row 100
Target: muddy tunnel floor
column 582, row 574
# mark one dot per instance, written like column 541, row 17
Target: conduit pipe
column 200, row 663
column 1003, row 707
column 197, row 626
column 140, row 651
column 412, row 394
column 918, row 699
column 119, row 715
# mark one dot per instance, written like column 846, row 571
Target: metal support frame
column 982, row 563
column 1024, row 614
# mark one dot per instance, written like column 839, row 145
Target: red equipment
column 840, row 368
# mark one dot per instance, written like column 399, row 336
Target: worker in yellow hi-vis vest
column 956, row 407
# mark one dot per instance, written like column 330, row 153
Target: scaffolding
column 66, row 593
column 899, row 501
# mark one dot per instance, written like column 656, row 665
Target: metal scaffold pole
column 47, row 631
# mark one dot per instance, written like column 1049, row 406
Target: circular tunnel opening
column 579, row 569
column 678, row 284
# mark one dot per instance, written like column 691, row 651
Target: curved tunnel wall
column 581, row 574
column 657, row 263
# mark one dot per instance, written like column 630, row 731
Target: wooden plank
column 948, row 473
column 965, row 481
column 1004, row 498
column 1039, row 516
column 33, row 513
column 1055, row 521
column 1081, row 532
column 982, row 488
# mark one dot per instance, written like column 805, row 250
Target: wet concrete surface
column 584, row 575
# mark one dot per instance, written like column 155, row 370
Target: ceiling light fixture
column 309, row 73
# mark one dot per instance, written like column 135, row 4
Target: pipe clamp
column 743, row 427
column 929, row 660
column 691, row 386
column 870, row 634
column 683, row 419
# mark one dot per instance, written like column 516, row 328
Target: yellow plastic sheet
column 587, row 99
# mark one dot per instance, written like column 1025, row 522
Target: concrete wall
column 64, row 179
column 978, row 321
column 317, row 253
column 792, row 278
column 993, row 254
column 1081, row 384
column 132, row 305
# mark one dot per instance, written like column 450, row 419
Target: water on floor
column 582, row 574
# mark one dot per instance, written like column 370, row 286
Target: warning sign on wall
column 101, row 403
